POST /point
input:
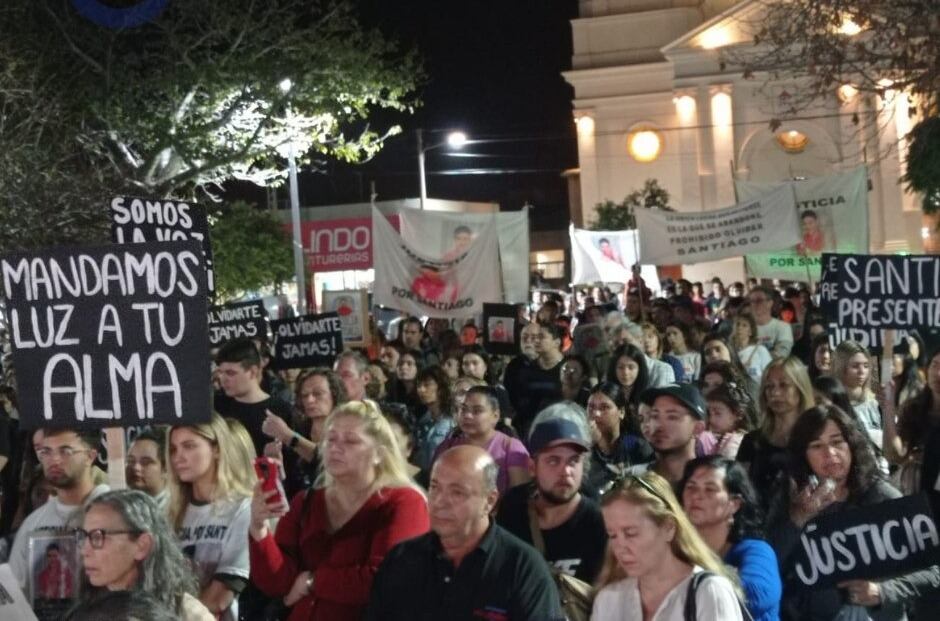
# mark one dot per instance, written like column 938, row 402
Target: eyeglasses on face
column 98, row 536
column 65, row 452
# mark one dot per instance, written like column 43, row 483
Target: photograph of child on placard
column 502, row 329
column 351, row 306
column 53, row 574
column 817, row 233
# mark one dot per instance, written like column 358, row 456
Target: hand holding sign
column 862, row 592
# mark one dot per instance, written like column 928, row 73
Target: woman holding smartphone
column 833, row 469
column 329, row 541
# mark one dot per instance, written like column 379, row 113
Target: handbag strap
column 690, row 611
column 537, row 541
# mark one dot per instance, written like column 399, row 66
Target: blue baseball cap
column 687, row 394
column 556, row 432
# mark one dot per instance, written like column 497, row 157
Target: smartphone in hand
column 267, row 471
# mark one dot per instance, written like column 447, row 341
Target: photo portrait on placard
column 817, row 232
column 609, row 251
column 352, row 306
column 53, row 576
column 501, row 329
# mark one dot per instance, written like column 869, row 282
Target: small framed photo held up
column 352, row 306
column 53, row 574
column 501, row 329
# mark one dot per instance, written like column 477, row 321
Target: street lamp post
column 299, row 278
column 455, row 140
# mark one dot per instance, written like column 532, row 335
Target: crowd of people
column 666, row 469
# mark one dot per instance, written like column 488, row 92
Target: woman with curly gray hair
column 126, row 545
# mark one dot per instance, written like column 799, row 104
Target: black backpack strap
column 690, row 608
column 690, row 605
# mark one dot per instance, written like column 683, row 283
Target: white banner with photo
column 436, row 233
column 765, row 223
column 832, row 211
column 606, row 256
column 453, row 283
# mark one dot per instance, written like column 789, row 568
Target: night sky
column 493, row 70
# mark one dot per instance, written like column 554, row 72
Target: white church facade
column 653, row 101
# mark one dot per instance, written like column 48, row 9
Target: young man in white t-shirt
column 67, row 458
column 775, row 335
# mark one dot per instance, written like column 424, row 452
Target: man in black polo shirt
column 571, row 526
column 466, row 567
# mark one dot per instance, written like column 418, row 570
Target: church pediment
column 735, row 26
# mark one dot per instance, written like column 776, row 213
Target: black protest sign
column 238, row 320
column 307, row 341
column 501, row 329
column 109, row 336
column 139, row 220
column 876, row 541
column 881, row 291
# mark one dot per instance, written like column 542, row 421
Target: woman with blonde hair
column 656, row 560
column 785, row 392
column 329, row 541
column 210, row 483
column 851, row 365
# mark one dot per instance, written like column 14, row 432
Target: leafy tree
column 250, row 250
column 923, row 163
column 177, row 107
column 613, row 216
column 876, row 46
column 873, row 45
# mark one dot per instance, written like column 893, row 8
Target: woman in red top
column 331, row 539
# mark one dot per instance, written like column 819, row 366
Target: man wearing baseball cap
column 570, row 525
column 672, row 418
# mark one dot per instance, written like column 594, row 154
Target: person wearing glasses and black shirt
column 67, row 458
column 126, row 545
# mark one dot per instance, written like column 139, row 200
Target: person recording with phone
column 833, row 468
column 323, row 552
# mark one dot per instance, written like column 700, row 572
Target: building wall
column 712, row 123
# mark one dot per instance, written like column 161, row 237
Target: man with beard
column 675, row 415
column 67, row 458
column 571, row 525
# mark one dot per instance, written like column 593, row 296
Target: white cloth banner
column 451, row 284
column 767, row 222
column 435, row 233
column 833, row 217
column 606, row 256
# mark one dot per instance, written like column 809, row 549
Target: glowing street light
column 455, row 140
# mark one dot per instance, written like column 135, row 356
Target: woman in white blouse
column 652, row 556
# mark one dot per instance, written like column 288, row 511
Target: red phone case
column 266, row 470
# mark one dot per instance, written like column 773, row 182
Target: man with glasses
column 775, row 335
column 570, row 526
column 67, row 458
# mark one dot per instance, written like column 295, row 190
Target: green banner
column 833, row 212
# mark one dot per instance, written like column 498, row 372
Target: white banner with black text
column 765, row 223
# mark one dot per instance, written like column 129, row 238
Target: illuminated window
column 644, row 145
column 792, row 141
